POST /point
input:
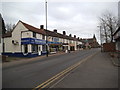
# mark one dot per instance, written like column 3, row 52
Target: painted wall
column 27, row 34
column 38, row 36
column 60, row 40
column 16, row 35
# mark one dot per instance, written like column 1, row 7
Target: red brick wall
column 109, row 47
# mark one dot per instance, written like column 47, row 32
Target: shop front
column 66, row 47
column 72, row 47
column 55, row 46
column 31, row 47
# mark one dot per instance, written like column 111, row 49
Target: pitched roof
column 34, row 29
column 49, row 33
column 43, row 31
column 89, row 40
column 8, row 34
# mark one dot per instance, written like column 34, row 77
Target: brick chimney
column 55, row 30
column 64, row 33
column 41, row 26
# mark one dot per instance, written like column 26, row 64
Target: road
column 32, row 74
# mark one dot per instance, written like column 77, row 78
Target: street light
column 46, row 28
column 100, row 36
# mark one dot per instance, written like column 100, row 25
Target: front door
column 25, row 48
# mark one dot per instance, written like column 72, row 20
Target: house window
column 34, row 34
column 43, row 36
column 52, row 38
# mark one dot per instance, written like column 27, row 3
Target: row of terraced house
column 28, row 41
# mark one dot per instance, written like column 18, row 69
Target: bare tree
column 10, row 27
column 104, row 33
column 109, row 24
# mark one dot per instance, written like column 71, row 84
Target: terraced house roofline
column 44, row 31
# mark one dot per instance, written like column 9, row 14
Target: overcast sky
column 75, row 17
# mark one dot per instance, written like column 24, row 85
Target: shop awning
column 37, row 41
column 32, row 41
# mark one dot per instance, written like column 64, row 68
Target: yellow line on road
column 49, row 81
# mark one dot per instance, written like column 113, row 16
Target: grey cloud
column 80, row 18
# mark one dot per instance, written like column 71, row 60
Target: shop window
column 35, row 48
column 44, row 47
column 43, row 36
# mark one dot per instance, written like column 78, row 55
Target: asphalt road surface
column 32, row 74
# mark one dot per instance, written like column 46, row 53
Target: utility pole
column 100, row 37
column 46, row 28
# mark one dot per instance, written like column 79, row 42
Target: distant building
column 92, row 42
column 0, row 34
column 2, row 31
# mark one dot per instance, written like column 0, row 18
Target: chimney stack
column 70, row 35
column 74, row 36
column 64, row 33
column 41, row 26
column 55, row 30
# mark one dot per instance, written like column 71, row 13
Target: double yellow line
column 54, row 78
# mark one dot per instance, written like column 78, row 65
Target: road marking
column 64, row 72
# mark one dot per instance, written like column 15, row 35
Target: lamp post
column 46, row 27
column 100, row 36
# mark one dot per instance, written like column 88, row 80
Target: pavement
column 115, row 58
column 97, row 72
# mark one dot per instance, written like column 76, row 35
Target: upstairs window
column 34, row 34
column 43, row 36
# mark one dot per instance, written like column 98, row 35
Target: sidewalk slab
column 97, row 72
column 115, row 58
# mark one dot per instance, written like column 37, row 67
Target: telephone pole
column 100, row 27
column 46, row 27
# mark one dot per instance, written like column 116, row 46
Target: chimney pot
column 70, row 35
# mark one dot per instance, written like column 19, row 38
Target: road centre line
column 54, row 78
